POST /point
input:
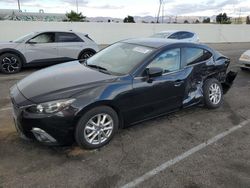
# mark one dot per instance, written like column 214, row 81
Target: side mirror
column 154, row 72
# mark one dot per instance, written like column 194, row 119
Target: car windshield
column 23, row 38
column 119, row 58
column 161, row 35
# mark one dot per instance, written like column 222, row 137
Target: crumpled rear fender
column 231, row 75
column 195, row 95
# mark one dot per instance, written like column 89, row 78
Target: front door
column 158, row 95
column 41, row 48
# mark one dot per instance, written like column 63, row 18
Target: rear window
column 195, row 55
column 68, row 37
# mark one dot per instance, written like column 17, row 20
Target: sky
column 122, row 8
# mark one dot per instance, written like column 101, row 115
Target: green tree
column 197, row 21
column 129, row 19
column 206, row 20
column 75, row 17
column 186, row 22
column 248, row 20
column 223, row 19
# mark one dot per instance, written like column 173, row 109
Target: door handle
column 178, row 83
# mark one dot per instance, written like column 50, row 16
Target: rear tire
column 10, row 63
column 96, row 127
column 212, row 91
column 244, row 69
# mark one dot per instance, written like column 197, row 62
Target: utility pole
column 77, row 6
column 239, row 21
column 158, row 15
column 19, row 8
column 162, row 19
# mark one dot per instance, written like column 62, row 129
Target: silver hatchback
column 45, row 48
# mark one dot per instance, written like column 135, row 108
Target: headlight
column 51, row 107
column 245, row 56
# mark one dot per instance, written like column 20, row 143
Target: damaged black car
column 126, row 83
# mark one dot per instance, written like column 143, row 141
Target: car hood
column 8, row 45
column 60, row 81
column 247, row 53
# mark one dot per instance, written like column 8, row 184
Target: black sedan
column 127, row 82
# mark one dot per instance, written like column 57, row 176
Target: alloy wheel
column 87, row 55
column 98, row 129
column 10, row 64
column 214, row 93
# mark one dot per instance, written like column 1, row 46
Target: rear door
column 69, row 45
column 41, row 48
column 199, row 62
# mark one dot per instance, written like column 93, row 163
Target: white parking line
column 15, row 77
column 179, row 158
column 5, row 109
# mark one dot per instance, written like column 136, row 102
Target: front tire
column 244, row 69
column 96, row 127
column 10, row 63
column 213, row 92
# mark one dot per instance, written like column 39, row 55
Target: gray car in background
column 183, row 36
column 45, row 48
column 245, row 60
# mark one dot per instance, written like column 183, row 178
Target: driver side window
column 169, row 60
column 44, row 38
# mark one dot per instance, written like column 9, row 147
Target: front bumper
column 244, row 63
column 52, row 129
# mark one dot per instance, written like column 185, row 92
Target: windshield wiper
column 101, row 69
column 97, row 67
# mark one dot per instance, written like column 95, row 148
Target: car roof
column 150, row 42
column 58, row 31
column 174, row 31
column 160, row 43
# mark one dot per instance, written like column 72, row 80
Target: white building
column 8, row 14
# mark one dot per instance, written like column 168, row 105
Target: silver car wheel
column 215, row 93
column 98, row 129
column 10, row 64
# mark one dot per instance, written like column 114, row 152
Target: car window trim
column 164, row 74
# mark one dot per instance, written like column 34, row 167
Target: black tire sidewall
column 79, row 131
column 10, row 55
column 86, row 52
column 206, row 87
column 244, row 69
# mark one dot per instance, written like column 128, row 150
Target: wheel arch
column 14, row 51
column 101, row 103
column 85, row 50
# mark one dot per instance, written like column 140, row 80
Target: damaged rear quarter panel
column 200, row 72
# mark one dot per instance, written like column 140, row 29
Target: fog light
column 42, row 136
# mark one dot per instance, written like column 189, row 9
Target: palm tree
column 75, row 17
